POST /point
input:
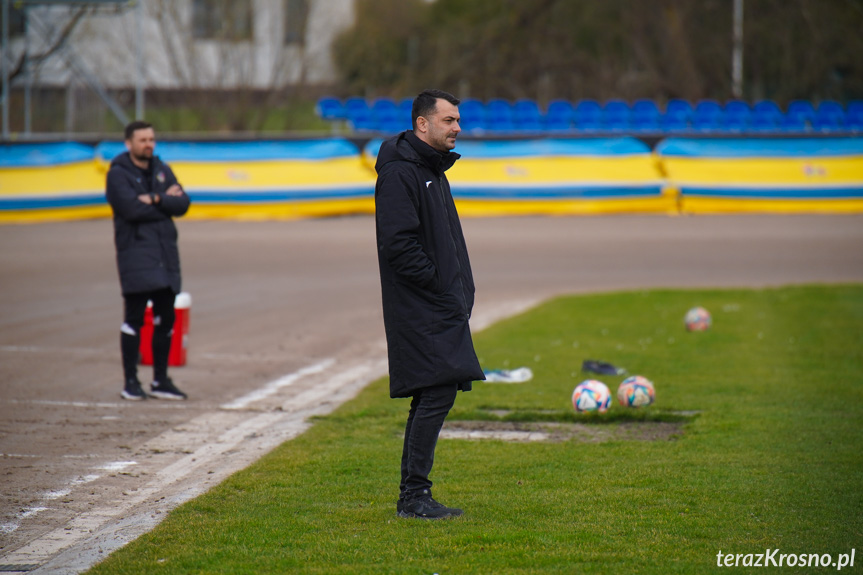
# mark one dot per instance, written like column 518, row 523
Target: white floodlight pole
column 28, row 85
column 5, row 66
column 139, row 61
column 737, row 51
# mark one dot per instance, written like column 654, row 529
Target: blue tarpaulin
column 760, row 147
column 49, row 154
column 240, row 151
column 540, row 148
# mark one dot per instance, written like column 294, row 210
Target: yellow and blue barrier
column 765, row 175
column 53, row 181
column 291, row 179
column 554, row 177
column 267, row 180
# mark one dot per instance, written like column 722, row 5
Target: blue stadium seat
column 766, row 116
column 737, row 116
column 472, row 114
column 559, row 115
column 829, row 117
column 645, row 116
column 385, row 113
column 707, row 116
column 330, row 108
column 798, row 117
column 526, row 116
column 854, row 116
column 393, row 126
column 363, row 122
column 677, row 116
column 384, row 107
column 384, row 104
column 498, row 116
column 359, row 115
column 406, row 109
column 588, row 116
column 356, row 103
column 616, row 116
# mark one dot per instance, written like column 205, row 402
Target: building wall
column 105, row 45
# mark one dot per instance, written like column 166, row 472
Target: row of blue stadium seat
column 498, row 115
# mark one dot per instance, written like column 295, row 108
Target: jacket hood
column 406, row 147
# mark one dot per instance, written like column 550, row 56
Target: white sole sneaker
column 166, row 395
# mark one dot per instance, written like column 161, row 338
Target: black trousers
column 135, row 304
column 429, row 408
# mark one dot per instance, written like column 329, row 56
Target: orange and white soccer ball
column 636, row 391
column 591, row 395
column 698, row 319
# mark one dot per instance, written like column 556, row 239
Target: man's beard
column 443, row 144
column 142, row 158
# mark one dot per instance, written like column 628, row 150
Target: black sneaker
column 133, row 391
column 166, row 390
column 424, row 507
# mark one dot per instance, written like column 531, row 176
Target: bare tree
column 51, row 44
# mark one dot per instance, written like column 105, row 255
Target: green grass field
column 769, row 455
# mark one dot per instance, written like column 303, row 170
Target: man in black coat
column 427, row 288
column 145, row 196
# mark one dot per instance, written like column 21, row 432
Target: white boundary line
column 275, row 385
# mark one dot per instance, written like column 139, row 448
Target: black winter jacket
column 426, row 282
column 144, row 234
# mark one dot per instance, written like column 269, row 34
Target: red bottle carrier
column 180, row 340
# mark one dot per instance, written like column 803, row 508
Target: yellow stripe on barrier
column 77, row 177
column 531, row 170
column 271, row 174
column 55, row 214
column 814, row 171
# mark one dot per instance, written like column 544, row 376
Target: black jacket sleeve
column 398, row 229
column 172, row 205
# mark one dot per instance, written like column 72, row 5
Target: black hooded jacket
column 144, row 234
column 426, row 281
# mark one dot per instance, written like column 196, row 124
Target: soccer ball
column 698, row 319
column 591, row 395
column 635, row 391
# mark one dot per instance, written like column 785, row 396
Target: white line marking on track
column 44, row 349
column 6, row 528
column 106, row 405
column 117, row 465
column 55, row 494
column 272, row 387
column 37, row 456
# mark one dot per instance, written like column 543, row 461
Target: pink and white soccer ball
column 636, row 391
column 698, row 319
column 591, row 395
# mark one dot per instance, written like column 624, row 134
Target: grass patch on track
column 770, row 454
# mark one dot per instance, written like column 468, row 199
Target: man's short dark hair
column 135, row 126
column 425, row 103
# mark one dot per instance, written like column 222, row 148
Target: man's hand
column 174, row 190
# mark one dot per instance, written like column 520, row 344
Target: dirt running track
column 285, row 323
